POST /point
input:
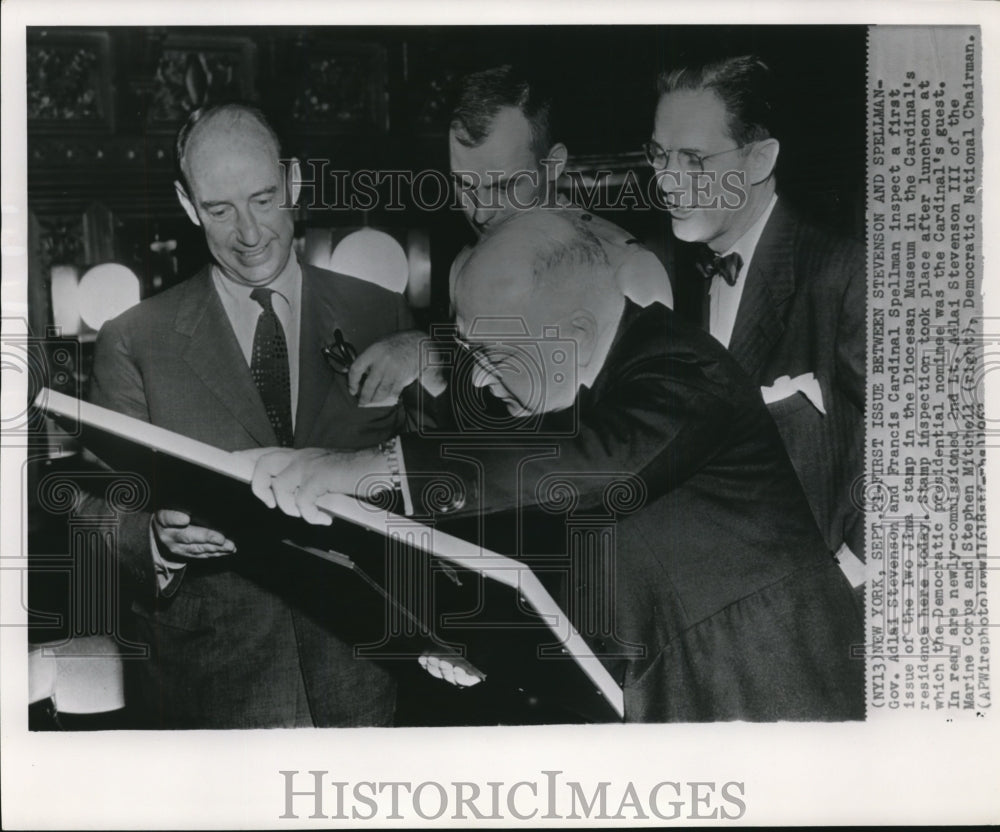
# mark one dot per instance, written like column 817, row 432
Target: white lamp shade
column 66, row 299
column 105, row 291
column 373, row 256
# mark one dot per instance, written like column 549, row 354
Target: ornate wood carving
column 340, row 87
column 194, row 71
column 68, row 80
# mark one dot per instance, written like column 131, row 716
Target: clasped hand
column 382, row 371
column 295, row 480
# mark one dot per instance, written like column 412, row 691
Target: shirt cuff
column 397, row 466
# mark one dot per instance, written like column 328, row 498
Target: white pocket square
column 784, row 386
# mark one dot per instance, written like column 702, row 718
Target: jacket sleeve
column 117, row 384
column 659, row 421
column 416, row 412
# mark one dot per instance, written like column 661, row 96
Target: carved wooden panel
column 68, row 80
column 61, row 239
column 339, row 87
column 193, row 71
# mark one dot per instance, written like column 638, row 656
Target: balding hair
column 230, row 114
column 576, row 247
column 563, row 261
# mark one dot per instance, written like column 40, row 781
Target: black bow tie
column 711, row 264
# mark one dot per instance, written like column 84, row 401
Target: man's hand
column 295, row 480
column 175, row 534
column 388, row 366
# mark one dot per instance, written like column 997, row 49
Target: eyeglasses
column 478, row 355
column 340, row 354
column 687, row 160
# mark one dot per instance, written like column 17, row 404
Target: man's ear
column 584, row 330
column 186, row 203
column 293, row 180
column 555, row 161
column 763, row 158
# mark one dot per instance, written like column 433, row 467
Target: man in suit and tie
column 786, row 298
column 505, row 156
column 232, row 357
column 718, row 577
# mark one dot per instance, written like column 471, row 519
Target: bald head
column 234, row 186
column 540, row 265
column 224, row 122
column 539, row 270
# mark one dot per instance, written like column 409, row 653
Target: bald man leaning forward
column 721, row 578
column 232, row 357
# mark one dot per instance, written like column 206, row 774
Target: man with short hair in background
column 505, row 157
column 505, row 160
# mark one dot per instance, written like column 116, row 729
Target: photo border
column 879, row 772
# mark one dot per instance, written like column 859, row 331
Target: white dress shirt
column 724, row 300
column 243, row 313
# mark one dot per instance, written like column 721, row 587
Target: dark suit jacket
column 803, row 311
column 231, row 648
column 714, row 596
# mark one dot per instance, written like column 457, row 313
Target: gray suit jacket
column 803, row 311
column 230, row 648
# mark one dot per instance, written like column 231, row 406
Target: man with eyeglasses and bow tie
column 786, row 298
column 252, row 351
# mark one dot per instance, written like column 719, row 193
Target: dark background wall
column 104, row 104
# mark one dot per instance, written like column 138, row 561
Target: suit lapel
column 215, row 357
column 320, row 391
column 769, row 288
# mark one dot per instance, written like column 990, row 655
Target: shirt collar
column 288, row 284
